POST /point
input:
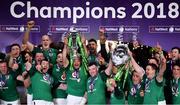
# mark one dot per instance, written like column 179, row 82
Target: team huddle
column 76, row 74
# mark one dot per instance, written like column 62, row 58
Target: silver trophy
column 120, row 54
column 74, row 47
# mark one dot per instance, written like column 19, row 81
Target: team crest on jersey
column 2, row 83
column 63, row 77
column 74, row 74
column 46, row 77
column 134, row 90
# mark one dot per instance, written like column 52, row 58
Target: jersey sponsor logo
column 48, row 82
column 73, row 79
column 76, row 79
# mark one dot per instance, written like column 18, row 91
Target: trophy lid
column 72, row 29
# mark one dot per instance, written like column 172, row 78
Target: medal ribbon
column 2, row 80
column 175, row 87
column 92, row 83
column 147, row 83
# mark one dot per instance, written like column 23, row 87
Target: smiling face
column 3, row 68
column 176, row 71
column 15, row 51
column 46, row 41
column 77, row 63
column 59, row 59
column 150, row 72
column 175, row 54
column 28, row 57
column 92, row 46
column 45, row 66
column 39, row 57
column 93, row 70
column 136, row 78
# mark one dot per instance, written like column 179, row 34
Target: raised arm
column 102, row 39
column 136, row 67
column 83, row 40
column 25, row 40
column 65, row 60
column 162, row 66
column 109, row 68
